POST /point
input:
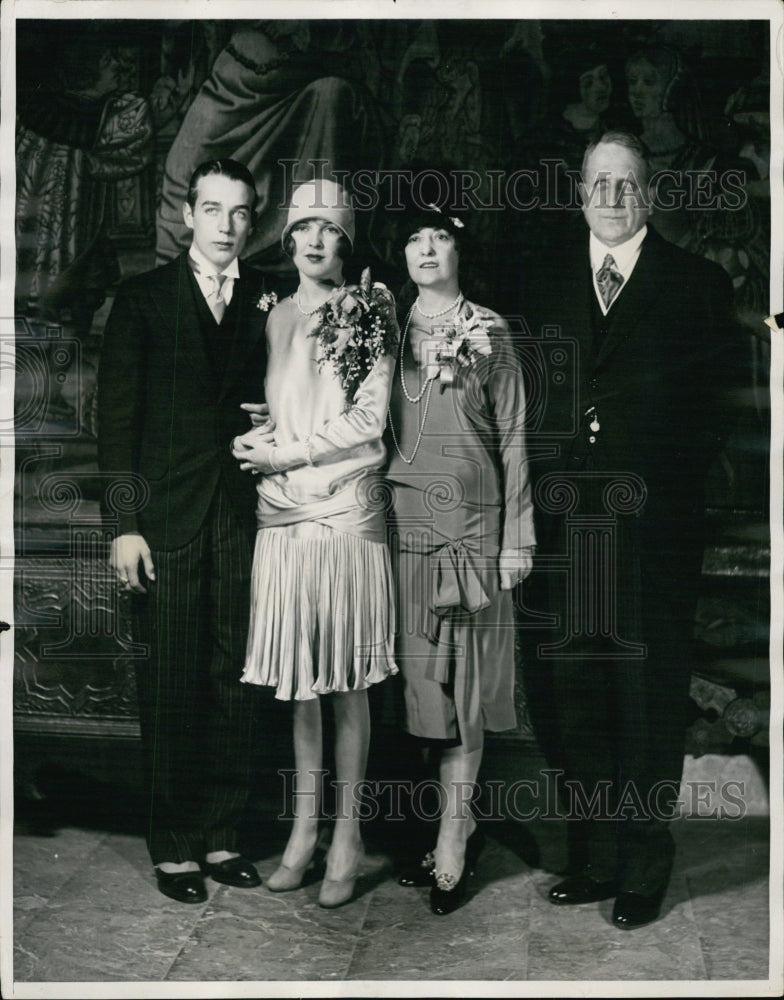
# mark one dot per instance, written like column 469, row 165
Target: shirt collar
column 204, row 266
column 625, row 254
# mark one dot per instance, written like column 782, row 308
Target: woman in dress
column 322, row 619
column 462, row 533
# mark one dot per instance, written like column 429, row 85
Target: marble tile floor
column 86, row 910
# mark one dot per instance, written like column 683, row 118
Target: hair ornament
column 457, row 223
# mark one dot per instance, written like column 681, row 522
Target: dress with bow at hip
column 465, row 497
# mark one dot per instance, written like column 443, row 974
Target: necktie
column 609, row 279
column 215, row 299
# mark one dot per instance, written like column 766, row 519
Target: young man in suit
column 622, row 506
column 184, row 346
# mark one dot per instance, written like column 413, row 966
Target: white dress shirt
column 204, row 272
column 625, row 256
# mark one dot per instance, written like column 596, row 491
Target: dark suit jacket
column 659, row 383
column 165, row 414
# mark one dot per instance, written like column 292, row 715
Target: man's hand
column 259, row 414
column 127, row 552
column 514, row 565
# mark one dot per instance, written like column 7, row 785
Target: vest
column 218, row 337
column 601, row 325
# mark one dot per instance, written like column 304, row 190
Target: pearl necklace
column 409, row 397
column 410, row 461
column 441, row 312
column 427, row 388
column 312, row 312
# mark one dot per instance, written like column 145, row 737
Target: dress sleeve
column 505, row 393
column 361, row 423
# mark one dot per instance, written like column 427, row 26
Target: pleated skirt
column 322, row 612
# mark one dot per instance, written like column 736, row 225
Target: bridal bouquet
column 355, row 327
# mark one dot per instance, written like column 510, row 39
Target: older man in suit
column 621, row 529
column 184, row 346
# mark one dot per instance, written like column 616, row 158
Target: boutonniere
column 463, row 343
column 266, row 301
column 355, row 327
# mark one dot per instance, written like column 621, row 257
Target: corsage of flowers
column 356, row 326
column 266, row 301
column 464, row 342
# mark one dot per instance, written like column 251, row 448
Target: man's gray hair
column 628, row 140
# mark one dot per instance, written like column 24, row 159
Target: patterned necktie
column 215, row 299
column 609, row 279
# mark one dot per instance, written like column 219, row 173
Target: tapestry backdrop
column 490, row 115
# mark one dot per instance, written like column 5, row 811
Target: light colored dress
column 465, row 497
column 322, row 600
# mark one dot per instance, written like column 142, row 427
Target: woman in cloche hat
column 322, row 618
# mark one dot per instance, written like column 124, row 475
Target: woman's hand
column 254, row 451
column 514, row 565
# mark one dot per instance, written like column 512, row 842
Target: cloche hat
column 321, row 199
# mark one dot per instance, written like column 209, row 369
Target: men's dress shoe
column 185, row 887
column 421, row 874
column 632, row 909
column 448, row 893
column 234, row 871
column 581, row 889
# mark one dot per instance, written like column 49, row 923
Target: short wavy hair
column 225, row 167
column 344, row 248
column 629, row 141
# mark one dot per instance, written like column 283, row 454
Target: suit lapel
column 172, row 297
column 579, row 305
column 249, row 327
column 635, row 299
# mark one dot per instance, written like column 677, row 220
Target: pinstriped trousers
column 195, row 715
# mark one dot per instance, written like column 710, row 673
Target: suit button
column 594, row 383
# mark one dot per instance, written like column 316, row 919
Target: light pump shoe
column 337, row 891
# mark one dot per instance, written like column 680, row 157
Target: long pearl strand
column 458, row 303
column 427, row 388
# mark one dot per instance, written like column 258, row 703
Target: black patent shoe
column 184, row 887
column 238, row 872
column 580, row 889
column 448, row 892
column 421, row 874
column 632, row 909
